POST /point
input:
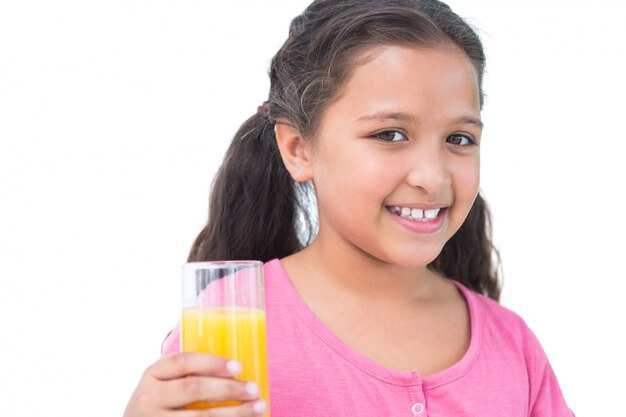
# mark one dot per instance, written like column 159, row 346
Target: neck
column 349, row 270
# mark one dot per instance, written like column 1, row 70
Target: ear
column 294, row 150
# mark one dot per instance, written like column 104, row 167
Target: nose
column 429, row 169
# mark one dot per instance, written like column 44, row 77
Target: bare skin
column 419, row 325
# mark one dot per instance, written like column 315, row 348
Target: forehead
column 439, row 80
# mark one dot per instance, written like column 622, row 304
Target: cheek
column 467, row 179
column 351, row 175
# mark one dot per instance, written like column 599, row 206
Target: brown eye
column 390, row 136
column 461, row 140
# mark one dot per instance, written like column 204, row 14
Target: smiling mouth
column 417, row 214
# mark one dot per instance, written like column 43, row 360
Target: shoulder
column 500, row 325
column 491, row 309
column 508, row 343
column 273, row 271
column 505, row 335
column 499, row 314
column 272, row 266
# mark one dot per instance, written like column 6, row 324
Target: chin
column 410, row 259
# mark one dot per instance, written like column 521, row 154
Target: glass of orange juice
column 224, row 314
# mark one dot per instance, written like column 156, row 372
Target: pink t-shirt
column 504, row 372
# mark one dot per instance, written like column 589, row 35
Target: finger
column 247, row 409
column 179, row 392
column 190, row 363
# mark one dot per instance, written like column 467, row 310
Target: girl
column 386, row 305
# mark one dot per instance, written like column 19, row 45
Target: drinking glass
column 224, row 314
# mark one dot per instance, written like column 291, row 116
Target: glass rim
column 221, row 264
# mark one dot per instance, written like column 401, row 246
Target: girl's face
column 399, row 144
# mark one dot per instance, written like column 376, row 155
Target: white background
column 114, row 116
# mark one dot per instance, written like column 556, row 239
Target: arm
column 546, row 398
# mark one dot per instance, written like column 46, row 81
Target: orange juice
column 236, row 333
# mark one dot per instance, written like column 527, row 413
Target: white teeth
column 416, row 213
column 431, row 214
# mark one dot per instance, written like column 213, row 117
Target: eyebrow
column 405, row 117
column 469, row 120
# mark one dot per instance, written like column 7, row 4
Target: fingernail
column 233, row 367
column 252, row 389
column 260, row 406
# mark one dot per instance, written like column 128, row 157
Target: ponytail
column 255, row 208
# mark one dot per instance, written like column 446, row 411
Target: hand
column 184, row 378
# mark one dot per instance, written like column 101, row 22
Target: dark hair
column 256, row 210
